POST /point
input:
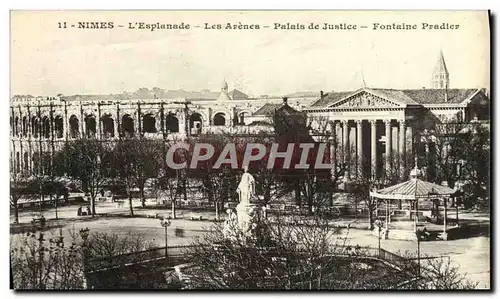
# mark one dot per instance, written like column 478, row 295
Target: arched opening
column 16, row 126
column 11, row 126
column 90, row 126
column 127, row 126
column 219, row 119
column 195, row 123
column 46, row 127
column 148, row 124
column 172, row 124
column 74, row 127
column 18, row 163
column 108, row 126
column 59, row 126
column 241, row 118
column 26, row 161
column 25, row 126
column 35, row 126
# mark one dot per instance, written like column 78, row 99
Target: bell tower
column 440, row 75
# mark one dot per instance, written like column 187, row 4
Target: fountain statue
column 246, row 187
column 245, row 221
column 247, row 212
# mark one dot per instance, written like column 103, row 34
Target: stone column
column 29, row 122
column 373, row 124
column 402, row 149
column 99, row 121
column 66, row 122
column 333, row 149
column 82, row 122
column 117, row 121
column 388, row 147
column 139, row 121
column 359, row 146
column 338, row 134
column 345, row 144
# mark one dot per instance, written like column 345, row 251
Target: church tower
column 440, row 75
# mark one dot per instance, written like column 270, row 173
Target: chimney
column 446, row 94
column 321, row 94
column 285, row 101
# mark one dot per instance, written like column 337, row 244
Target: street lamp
column 379, row 224
column 165, row 223
column 421, row 235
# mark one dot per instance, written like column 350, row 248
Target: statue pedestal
column 247, row 216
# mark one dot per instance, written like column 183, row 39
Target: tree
column 218, row 183
column 41, row 263
column 170, row 185
column 18, row 187
column 433, row 273
column 450, row 145
column 460, row 152
column 361, row 187
column 52, row 182
column 476, row 168
column 136, row 161
column 298, row 253
column 89, row 161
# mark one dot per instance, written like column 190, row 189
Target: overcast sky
column 46, row 60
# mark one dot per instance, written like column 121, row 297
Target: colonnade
column 352, row 148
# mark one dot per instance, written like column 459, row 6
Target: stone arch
column 241, row 116
column 127, row 125
column 171, row 123
column 108, row 125
column 219, row 119
column 59, row 126
column 149, row 123
column 74, row 126
column 35, row 126
column 90, row 125
column 46, row 127
column 195, row 123
column 25, row 126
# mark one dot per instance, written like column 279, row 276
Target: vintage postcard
column 250, row 150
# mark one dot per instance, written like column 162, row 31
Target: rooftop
column 405, row 96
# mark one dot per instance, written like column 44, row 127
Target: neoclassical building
column 375, row 124
column 380, row 127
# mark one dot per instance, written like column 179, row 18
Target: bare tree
column 137, row 160
column 18, row 189
column 298, row 253
column 170, row 185
column 43, row 263
column 89, row 161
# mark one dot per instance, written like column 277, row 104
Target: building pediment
column 365, row 99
